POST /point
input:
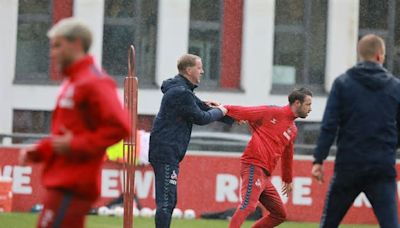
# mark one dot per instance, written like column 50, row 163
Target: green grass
column 27, row 220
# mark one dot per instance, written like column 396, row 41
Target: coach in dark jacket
column 169, row 139
column 362, row 109
column 180, row 109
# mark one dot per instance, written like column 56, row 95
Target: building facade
column 254, row 51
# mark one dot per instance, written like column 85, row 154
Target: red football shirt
column 89, row 107
column 273, row 135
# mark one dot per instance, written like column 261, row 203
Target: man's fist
column 223, row 109
column 317, row 172
column 213, row 104
column 26, row 154
column 61, row 143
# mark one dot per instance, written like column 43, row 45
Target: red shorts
column 63, row 209
column 257, row 186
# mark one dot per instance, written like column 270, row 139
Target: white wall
column 172, row 36
column 342, row 38
column 8, row 38
column 92, row 13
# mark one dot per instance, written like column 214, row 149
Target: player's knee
column 247, row 210
column 279, row 215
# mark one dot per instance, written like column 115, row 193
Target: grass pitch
column 28, row 220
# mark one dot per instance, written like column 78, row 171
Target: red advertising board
column 207, row 183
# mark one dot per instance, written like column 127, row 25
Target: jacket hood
column 370, row 74
column 176, row 81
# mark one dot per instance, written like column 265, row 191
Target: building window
column 380, row 18
column 29, row 121
column 29, row 126
column 32, row 61
column 300, row 45
column 205, row 37
column 129, row 22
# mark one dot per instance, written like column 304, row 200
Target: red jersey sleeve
column 287, row 163
column 111, row 120
column 251, row 114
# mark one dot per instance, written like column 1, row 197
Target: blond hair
column 72, row 29
column 187, row 60
column 369, row 46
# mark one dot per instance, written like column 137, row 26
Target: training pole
column 129, row 151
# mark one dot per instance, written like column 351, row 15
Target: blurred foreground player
column 363, row 109
column 273, row 135
column 87, row 119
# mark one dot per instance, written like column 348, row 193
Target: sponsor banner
column 206, row 183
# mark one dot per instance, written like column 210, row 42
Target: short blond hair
column 370, row 45
column 72, row 29
column 187, row 60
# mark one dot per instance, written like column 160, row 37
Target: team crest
column 173, row 175
column 174, row 178
column 67, row 99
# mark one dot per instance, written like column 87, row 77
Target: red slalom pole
column 129, row 148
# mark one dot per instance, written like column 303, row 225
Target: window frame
column 39, row 78
column 304, row 29
column 144, row 82
column 387, row 34
column 207, row 82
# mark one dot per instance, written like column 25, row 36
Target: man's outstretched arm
column 251, row 114
column 190, row 110
column 207, row 105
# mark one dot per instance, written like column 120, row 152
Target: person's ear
column 189, row 70
column 378, row 57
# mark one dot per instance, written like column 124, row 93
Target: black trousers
column 347, row 184
column 166, row 180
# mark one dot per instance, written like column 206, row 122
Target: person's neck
column 77, row 58
column 293, row 110
column 188, row 78
column 74, row 60
column 372, row 61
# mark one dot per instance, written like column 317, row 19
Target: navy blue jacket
column 172, row 127
column 363, row 109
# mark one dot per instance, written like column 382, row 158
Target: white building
column 254, row 51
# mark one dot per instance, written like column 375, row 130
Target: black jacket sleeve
column 191, row 111
column 203, row 106
column 398, row 127
column 329, row 125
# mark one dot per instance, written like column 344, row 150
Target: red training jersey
column 88, row 106
column 273, row 135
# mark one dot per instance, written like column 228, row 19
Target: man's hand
column 287, row 188
column 223, row 109
column 212, row 104
column 317, row 172
column 24, row 155
column 242, row 122
column 61, row 143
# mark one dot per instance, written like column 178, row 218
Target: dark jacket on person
column 362, row 109
column 172, row 127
